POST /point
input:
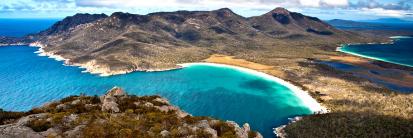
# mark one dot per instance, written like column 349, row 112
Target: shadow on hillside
column 325, row 70
column 351, row 124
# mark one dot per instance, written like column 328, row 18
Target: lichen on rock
column 116, row 114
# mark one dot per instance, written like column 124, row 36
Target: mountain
column 388, row 20
column 124, row 42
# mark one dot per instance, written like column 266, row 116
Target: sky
column 324, row 9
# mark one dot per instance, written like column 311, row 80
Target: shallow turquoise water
column 400, row 52
column 28, row 80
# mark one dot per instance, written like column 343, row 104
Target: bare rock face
column 110, row 98
column 17, row 131
column 117, row 92
column 242, row 132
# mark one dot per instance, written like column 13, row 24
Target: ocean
column 22, row 27
column 399, row 52
column 28, row 80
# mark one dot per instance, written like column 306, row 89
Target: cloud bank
column 387, row 8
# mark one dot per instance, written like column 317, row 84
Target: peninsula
column 284, row 44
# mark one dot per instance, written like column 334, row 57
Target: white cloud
column 334, row 3
column 384, row 12
column 324, row 3
column 212, row 3
column 395, row 8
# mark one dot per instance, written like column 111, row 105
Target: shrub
column 39, row 125
column 7, row 116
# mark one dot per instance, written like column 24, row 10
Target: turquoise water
column 28, row 80
column 22, row 27
column 400, row 52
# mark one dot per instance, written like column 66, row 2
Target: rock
column 242, row 132
column 51, row 132
column 279, row 132
column 77, row 101
column 161, row 100
column 110, row 98
column 116, row 91
column 25, row 120
column 148, row 104
column 17, row 131
column 166, row 108
column 110, row 106
column 181, row 114
column 246, row 127
column 72, row 123
column 211, row 131
column 205, row 126
column 70, row 118
column 165, row 133
column 75, row 132
column 62, row 107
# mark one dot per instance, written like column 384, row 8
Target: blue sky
column 324, row 9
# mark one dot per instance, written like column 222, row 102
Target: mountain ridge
column 124, row 42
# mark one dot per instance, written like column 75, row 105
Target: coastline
column 252, row 68
column 304, row 96
column 91, row 67
column 372, row 58
column 339, row 49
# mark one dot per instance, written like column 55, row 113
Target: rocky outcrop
column 109, row 100
column 117, row 114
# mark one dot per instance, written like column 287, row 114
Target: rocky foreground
column 115, row 114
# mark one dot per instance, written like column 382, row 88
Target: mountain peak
column 72, row 21
column 224, row 12
column 78, row 15
column 120, row 14
column 280, row 10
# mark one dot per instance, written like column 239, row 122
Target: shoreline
column 304, row 96
column 371, row 58
column 91, row 67
column 312, row 104
column 339, row 49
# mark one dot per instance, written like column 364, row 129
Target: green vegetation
column 147, row 116
column 39, row 125
column 358, row 107
column 350, row 124
column 6, row 116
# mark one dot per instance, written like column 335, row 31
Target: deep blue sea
column 399, row 52
column 28, row 80
column 21, row 27
column 354, row 69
